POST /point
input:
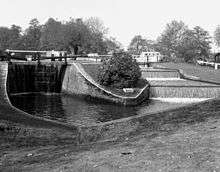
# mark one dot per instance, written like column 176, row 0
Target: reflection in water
column 49, row 106
column 74, row 110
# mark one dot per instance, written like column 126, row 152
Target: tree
column 120, row 71
column 139, row 44
column 112, row 45
column 202, row 42
column 5, row 34
column 96, row 25
column 32, row 36
column 169, row 39
column 74, row 35
column 15, row 37
column 180, row 43
column 87, row 36
column 52, row 35
column 10, row 38
column 217, row 35
column 97, row 35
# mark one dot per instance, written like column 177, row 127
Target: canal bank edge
column 125, row 127
column 77, row 82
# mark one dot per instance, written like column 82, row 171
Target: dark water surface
column 73, row 110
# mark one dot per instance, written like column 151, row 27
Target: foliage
column 96, row 37
column 170, row 38
column 120, row 71
column 139, row 44
column 195, row 44
column 10, row 37
column 217, row 36
column 4, row 38
column 32, row 35
column 112, row 45
column 74, row 35
column 52, row 35
column 180, row 43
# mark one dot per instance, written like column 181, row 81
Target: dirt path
column 189, row 148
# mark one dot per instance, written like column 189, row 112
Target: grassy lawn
column 179, row 83
column 203, row 72
column 92, row 69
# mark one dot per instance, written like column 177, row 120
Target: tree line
column 74, row 35
column 177, row 43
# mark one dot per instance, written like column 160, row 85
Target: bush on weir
column 120, row 71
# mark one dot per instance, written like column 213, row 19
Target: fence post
column 52, row 57
column 9, row 58
column 60, row 59
column 216, row 66
column 38, row 59
column 65, row 57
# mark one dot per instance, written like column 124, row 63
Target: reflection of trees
column 112, row 112
column 80, row 111
column 48, row 106
column 70, row 109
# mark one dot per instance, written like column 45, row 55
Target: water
column 73, row 110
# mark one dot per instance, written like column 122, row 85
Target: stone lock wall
column 27, row 77
column 77, row 82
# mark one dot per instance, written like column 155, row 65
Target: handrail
column 24, row 51
column 8, row 56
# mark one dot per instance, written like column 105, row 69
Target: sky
column 123, row 18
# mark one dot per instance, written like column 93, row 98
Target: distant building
column 216, row 53
column 55, row 53
column 149, row 56
column 93, row 55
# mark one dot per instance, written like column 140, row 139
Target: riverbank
column 200, row 72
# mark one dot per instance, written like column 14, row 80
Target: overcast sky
column 124, row 18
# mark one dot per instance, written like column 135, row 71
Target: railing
column 38, row 57
column 213, row 64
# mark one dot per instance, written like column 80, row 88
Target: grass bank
column 203, row 72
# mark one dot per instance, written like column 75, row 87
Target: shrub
column 120, row 71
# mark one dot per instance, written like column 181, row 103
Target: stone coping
column 164, row 79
